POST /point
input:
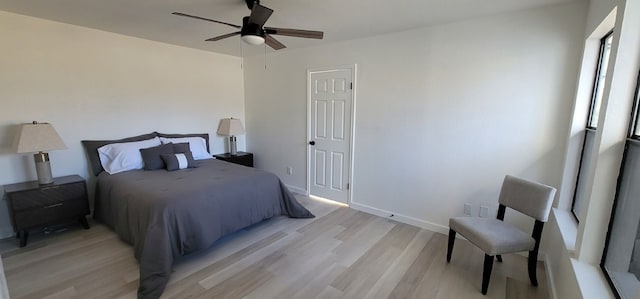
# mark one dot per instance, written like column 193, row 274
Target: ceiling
column 339, row 19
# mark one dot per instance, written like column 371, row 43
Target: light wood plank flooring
column 342, row 253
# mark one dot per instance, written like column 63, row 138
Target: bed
column 166, row 214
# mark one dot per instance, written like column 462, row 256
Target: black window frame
column 588, row 126
column 632, row 136
column 634, row 123
column 596, row 80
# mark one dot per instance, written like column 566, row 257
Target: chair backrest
column 531, row 198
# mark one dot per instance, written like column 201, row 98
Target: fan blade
column 260, row 14
column 273, row 43
column 213, row 39
column 204, row 19
column 294, row 32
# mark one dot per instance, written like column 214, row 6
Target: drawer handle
column 52, row 187
column 53, row 205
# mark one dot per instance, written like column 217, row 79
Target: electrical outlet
column 484, row 211
column 467, row 209
column 289, row 170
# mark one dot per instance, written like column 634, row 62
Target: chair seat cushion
column 492, row 235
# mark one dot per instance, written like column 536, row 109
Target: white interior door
column 330, row 100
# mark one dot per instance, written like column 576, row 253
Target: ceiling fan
column 253, row 31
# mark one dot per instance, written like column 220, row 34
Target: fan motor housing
column 250, row 28
column 251, row 2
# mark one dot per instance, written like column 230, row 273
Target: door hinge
column 347, row 186
column 351, row 86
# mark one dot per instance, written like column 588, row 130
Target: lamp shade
column 230, row 127
column 38, row 137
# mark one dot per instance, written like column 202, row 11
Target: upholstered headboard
column 91, row 146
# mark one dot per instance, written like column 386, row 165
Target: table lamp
column 38, row 138
column 231, row 127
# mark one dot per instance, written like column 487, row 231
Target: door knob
column 312, row 142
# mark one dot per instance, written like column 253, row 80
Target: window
column 592, row 121
column 598, row 84
column 621, row 257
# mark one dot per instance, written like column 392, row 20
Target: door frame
column 353, row 68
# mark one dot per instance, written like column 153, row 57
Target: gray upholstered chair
column 496, row 237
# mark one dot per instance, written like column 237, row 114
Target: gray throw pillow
column 151, row 156
column 182, row 147
column 179, row 161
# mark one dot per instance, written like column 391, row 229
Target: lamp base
column 43, row 168
column 233, row 150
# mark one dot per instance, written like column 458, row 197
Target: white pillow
column 119, row 157
column 197, row 145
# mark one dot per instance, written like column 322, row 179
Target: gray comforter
column 168, row 214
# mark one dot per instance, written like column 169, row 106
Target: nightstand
column 241, row 158
column 32, row 205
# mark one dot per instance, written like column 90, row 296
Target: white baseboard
column 413, row 221
column 550, row 281
column 401, row 218
column 297, row 190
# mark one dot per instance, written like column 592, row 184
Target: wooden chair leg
column 486, row 273
column 452, row 239
column 499, row 257
column 533, row 254
column 533, row 263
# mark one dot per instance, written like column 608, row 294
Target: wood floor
column 341, row 253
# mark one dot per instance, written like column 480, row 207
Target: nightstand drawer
column 69, row 209
column 33, row 205
column 47, row 196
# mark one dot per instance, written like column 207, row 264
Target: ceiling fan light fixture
column 253, row 32
column 253, row 39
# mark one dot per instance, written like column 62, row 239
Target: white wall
column 442, row 113
column 96, row 85
column 560, row 273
